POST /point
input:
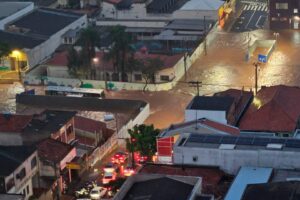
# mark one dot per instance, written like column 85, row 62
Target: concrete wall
column 219, row 116
column 44, row 50
column 20, row 185
column 231, row 160
column 133, row 23
column 196, row 14
column 17, row 14
column 8, row 139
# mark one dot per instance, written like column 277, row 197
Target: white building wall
column 12, row 139
column 231, row 160
column 16, row 15
column 20, row 185
column 44, row 50
column 219, row 116
column 195, row 14
column 141, row 23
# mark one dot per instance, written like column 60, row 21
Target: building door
column 296, row 24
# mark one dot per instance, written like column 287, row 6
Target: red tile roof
column 53, row 150
column 92, row 126
column 274, row 109
column 210, row 123
column 13, row 123
column 222, row 127
column 61, row 60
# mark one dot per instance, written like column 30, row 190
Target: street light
column 95, row 63
column 276, row 34
column 16, row 54
column 256, row 66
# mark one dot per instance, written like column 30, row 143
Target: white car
column 97, row 192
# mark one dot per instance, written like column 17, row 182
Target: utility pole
column 196, row 84
column 256, row 65
column 205, row 48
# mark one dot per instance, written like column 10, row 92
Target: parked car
column 97, row 192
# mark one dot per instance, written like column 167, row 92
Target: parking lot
column 253, row 16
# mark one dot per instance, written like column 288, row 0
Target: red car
column 119, row 158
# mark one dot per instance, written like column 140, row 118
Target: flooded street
column 222, row 68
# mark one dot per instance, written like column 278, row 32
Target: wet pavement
column 222, row 68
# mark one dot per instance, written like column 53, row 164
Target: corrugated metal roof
column 202, row 5
column 247, row 175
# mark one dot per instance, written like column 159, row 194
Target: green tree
column 75, row 66
column 120, row 49
column 89, row 40
column 4, row 51
column 142, row 140
column 149, row 69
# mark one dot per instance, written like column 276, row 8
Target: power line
column 196, row 84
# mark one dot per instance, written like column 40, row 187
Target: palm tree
column 89, row 39
column 4, row 51
column 120, row 49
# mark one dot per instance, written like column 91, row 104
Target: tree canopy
column 142, row 139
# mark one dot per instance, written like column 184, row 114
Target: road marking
column 246, row 7
column 249, row 20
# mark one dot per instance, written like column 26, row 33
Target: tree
column 4, row 51
column 120, row 49
column 89, row 40
column 75, row 66
column 149, row 69
column 142, row 140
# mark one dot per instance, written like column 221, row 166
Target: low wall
column 118, row 138
column 33, row 78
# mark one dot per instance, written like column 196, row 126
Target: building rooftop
column 47, row 147
column 242, row 142
column 48, row 122
column 19, row 41
column 189, row 24
column 274, row 109
column 160, row 189
column 14, row 123
column 211, row 103
column 202, row 124
column 202, row 5
column 39, row 23
column 92, row 126
column 273, row 191
column 61, row 59
column 10, row 8
column 11, row 157
column 245, row 176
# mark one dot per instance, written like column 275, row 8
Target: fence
column 100, row 152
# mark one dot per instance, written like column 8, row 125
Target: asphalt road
column 253, row 16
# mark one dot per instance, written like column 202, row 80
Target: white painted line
column 246, row 7
column 256, row 24
column 249, row 20
column 255, row 7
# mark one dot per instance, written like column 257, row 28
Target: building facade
column 19, row 166
column 284, row 14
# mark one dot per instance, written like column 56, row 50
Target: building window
column 164, row 78
column 274, row 19
column 10, row 184
column 138, row 77
column 282, row 6
column 69, row 130
column 295, row 10
column 21, row 174
column 33, row 162
column 24, row 192
column 27, row 189
column 195, row 158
